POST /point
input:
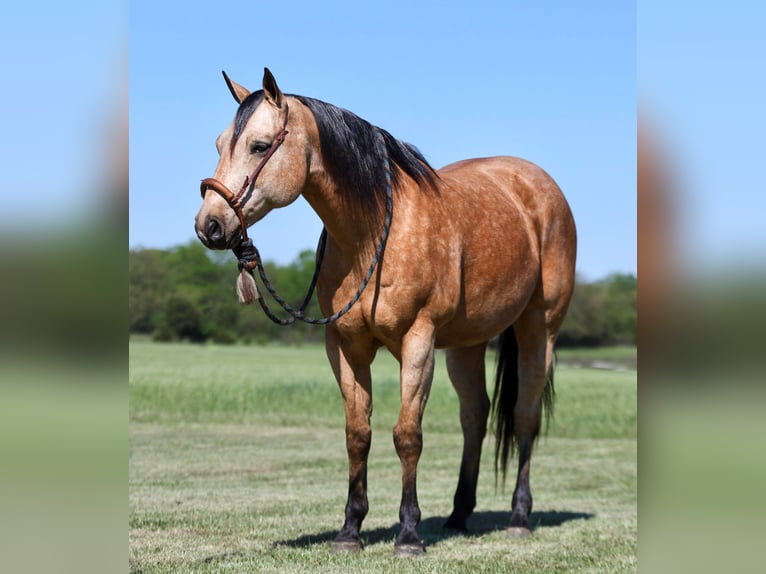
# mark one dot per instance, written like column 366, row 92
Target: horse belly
column 500, row 270
column 484, row 320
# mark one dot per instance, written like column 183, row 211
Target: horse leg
column 466, row 371
column 351, row 366
column 417, row 369
column 535, row 349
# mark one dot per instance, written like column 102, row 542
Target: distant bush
column 187, row 293
column 601, row 313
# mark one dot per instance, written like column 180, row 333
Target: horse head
column 257, row 158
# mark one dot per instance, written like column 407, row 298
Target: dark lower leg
column 357, row 506
column 521, row 505
column 466, row 371
column 465, row 495
column 409, row 517
column 409, row 445
column 356, row 510
column 464, row 500
column 535, row 346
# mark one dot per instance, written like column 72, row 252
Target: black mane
column 356, row 160
column 352, row 152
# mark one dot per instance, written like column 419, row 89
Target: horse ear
column 270, row 88
column 239, row 92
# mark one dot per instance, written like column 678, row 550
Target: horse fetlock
column 522, row 502
column 357, row 508
column 457, row 521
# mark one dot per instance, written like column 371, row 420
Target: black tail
column 505, row 395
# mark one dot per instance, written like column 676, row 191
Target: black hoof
column 409, row 550
column 347, row 546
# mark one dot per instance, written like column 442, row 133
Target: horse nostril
column 213, row 229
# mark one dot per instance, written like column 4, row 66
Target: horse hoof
column 519, row 532
column 409, row 550
column 346, row 546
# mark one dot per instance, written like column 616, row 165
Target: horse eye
column 259, row 147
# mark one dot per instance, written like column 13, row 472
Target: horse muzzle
column 216, row 230
column 211, row 232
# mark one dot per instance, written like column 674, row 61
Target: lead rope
column 249, row 258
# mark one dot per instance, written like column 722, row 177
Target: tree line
column 187, row 293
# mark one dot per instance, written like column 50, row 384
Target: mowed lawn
column 238, row 464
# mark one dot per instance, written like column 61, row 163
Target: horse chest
column 384, row 311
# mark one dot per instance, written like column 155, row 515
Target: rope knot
column 247, row 256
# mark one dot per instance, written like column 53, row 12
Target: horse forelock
column 244, row 112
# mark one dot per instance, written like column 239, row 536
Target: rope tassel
column 247, row 290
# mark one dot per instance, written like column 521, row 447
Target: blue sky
column 702, row 82
column 553, row 82
column 64, row 67
column 541, row 80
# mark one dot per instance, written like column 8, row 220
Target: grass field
column 237, row 463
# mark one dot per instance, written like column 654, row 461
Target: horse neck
column 351, row 227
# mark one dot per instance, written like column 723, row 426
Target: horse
column 478, row 249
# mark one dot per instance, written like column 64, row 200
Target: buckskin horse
column 454, row 257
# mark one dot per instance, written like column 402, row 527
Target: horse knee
column 358, row 440
column 408, row 440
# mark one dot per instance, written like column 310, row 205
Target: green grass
column 237, row 463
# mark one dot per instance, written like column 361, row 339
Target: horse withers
column 454, row 257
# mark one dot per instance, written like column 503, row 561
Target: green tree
column 147, row 269
column 181, row 320
column 601, row 313
column 620, row 308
